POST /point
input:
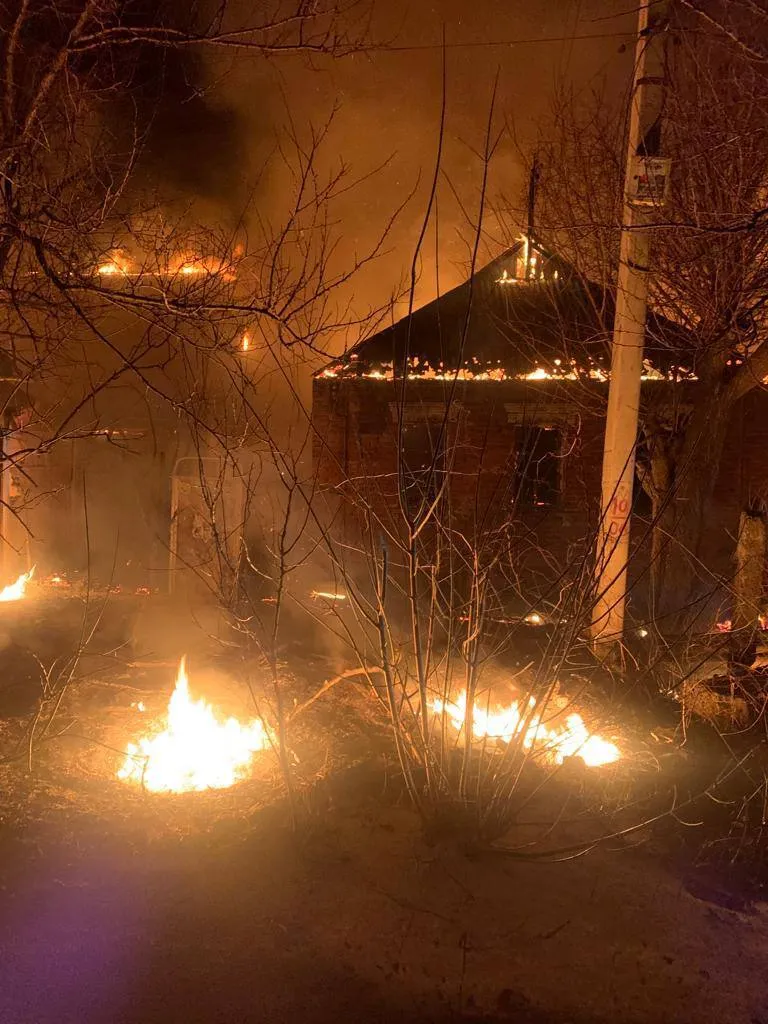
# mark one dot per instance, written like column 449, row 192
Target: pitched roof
column 499, row 324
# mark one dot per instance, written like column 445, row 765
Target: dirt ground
column 122, row 907
column 356, row 919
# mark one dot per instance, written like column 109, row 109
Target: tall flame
column 554, row 744
column 195, row 750
column 16, row 590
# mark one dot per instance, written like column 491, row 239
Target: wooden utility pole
column 644, row 188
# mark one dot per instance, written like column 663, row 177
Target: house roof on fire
column 526, row 315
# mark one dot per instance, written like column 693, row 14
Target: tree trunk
column 679, row 576
column 747, row 587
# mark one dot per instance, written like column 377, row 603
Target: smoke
column 214, row 125
column 194, row 146
column 193, row 140
column 208, row 126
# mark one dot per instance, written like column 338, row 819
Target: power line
column 621, row 14
column 498, row 42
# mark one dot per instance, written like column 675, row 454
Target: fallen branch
column 350, row 673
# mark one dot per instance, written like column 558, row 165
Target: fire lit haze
column 195, row 749
column 384, row 512
column 385, row 127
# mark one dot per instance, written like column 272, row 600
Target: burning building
column 102, row 471
column 497, row 390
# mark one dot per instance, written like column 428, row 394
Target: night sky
column 216, row 126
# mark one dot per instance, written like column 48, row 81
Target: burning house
column 102, row 472
column 497, row 389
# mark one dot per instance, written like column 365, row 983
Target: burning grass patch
column 196, row 749
column 68, row 780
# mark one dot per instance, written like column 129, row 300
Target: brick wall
column 356, row 440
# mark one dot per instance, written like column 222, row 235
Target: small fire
column 552, row 743
column 534, row 619
column 245, row 344
column 116, row 263
column 189, row 264
column 15, row 591
column 328, row 595
column 195, row 750
column 726, row 626
column 507, row 278
column 558, row 371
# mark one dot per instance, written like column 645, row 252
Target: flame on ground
column 553, row 743
column 195, row 750
column 17, row 590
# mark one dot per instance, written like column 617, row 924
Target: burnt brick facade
column 356, row 444
column 503, row 386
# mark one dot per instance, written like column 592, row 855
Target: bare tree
column 744, row 23
column 110, row 302
column 709, row 273
column 101, row 287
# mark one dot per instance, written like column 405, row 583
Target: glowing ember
column 552, row 743
column 421, row 370
column 328, row 595
column 534, row 619
column 196, row 265
column 15, row 591
column 116, row 263
column 195, row 750
column 506, row 278
column 726, row 626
